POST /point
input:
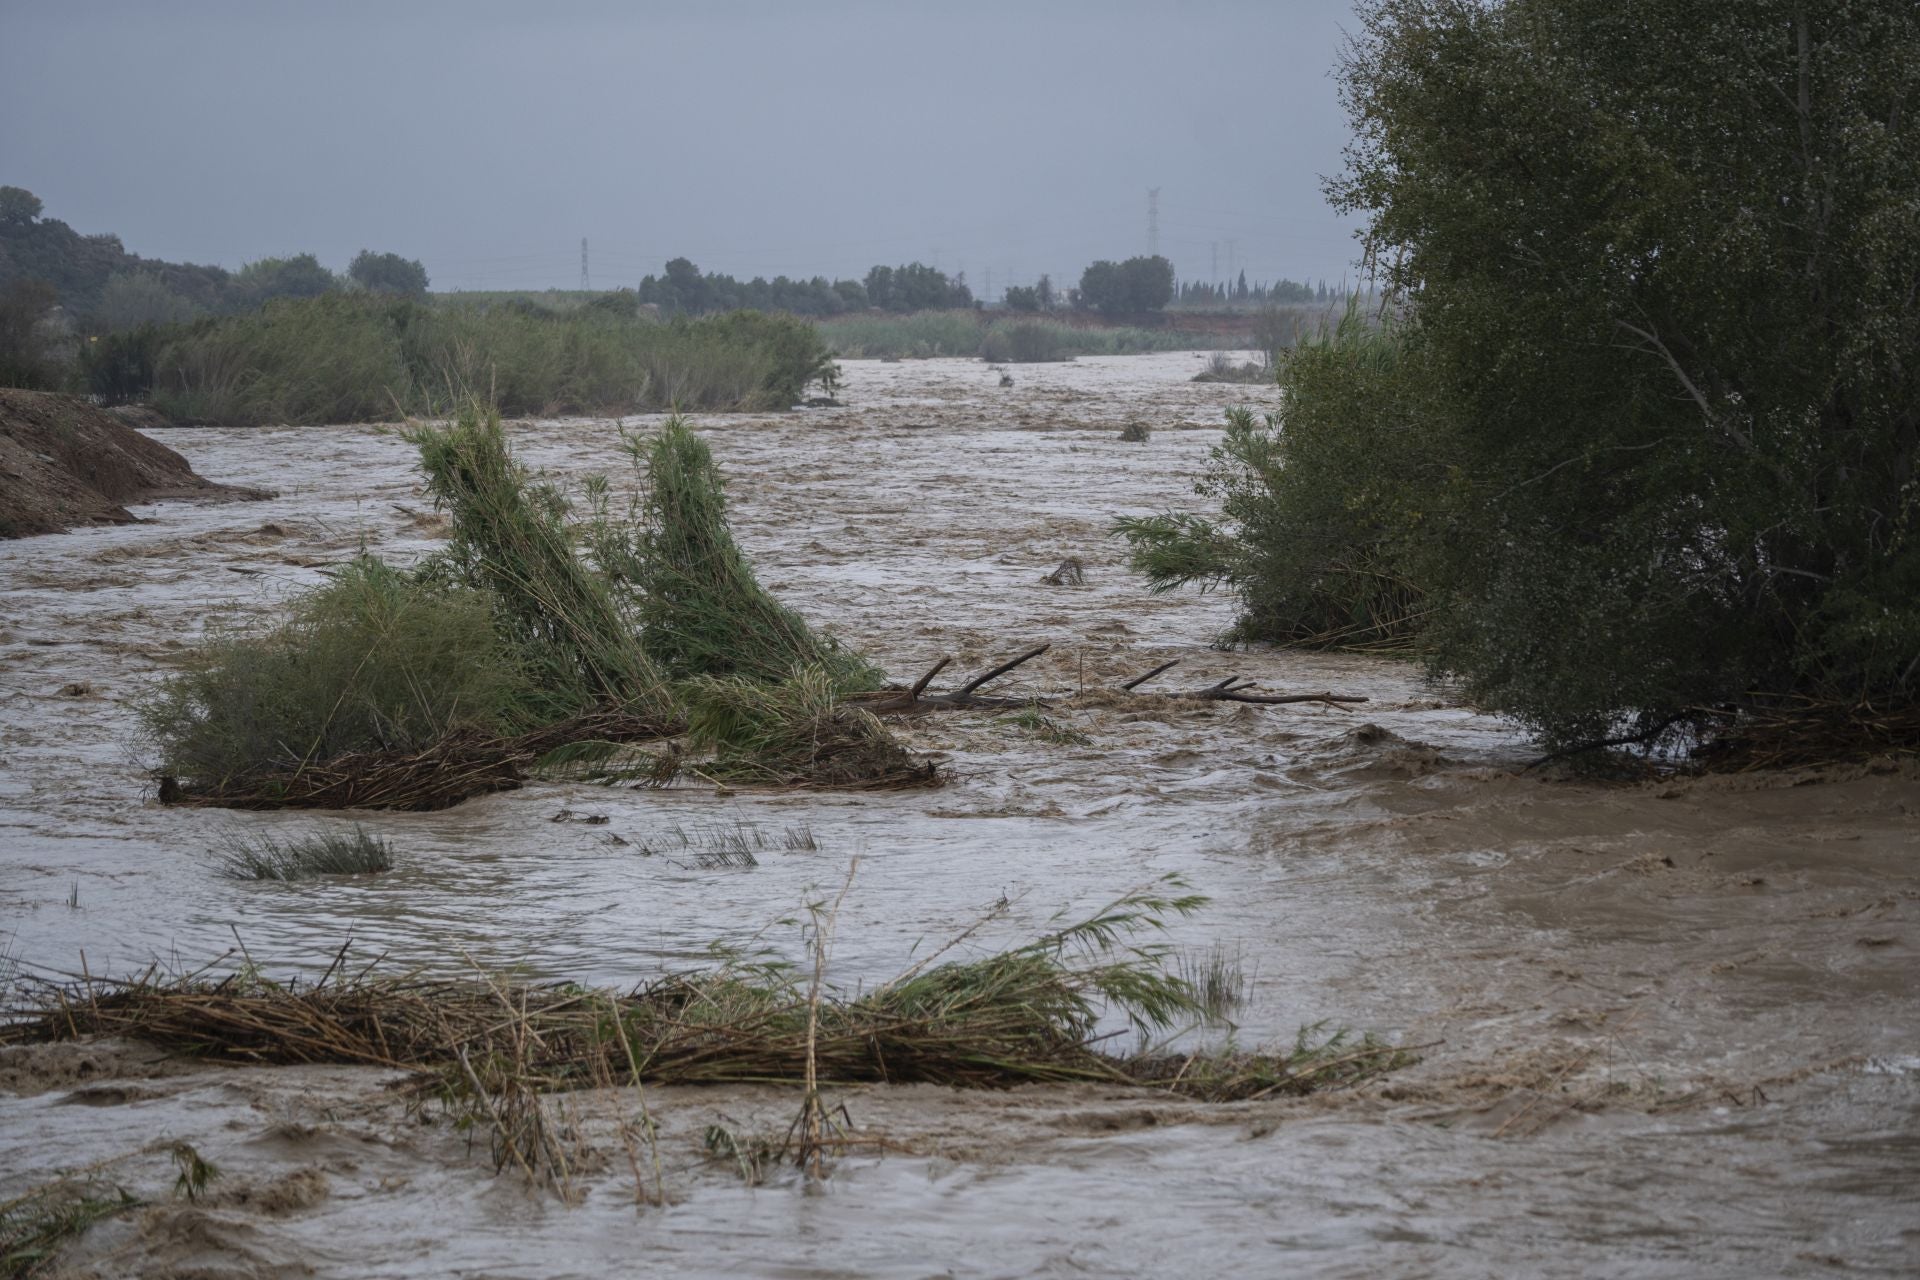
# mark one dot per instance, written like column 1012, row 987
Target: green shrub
column 1323, row 504
column 375, row 661
column 1034, row 343
column 118, row 367
column 1635, row 457
column 24, row 358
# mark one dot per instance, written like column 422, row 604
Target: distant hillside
column 79, row 266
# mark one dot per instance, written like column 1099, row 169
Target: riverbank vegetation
column 512, row 649
column 1630, row 463
column 360, row 358
column 1000, row 337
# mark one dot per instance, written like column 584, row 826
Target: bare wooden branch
column 967, row 689
column 1137, row 681
column 920, row 685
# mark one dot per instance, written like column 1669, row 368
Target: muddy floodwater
column 1673, row 1027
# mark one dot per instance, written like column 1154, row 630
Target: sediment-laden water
column 1677, row 1024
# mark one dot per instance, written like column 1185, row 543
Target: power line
column 584, row 286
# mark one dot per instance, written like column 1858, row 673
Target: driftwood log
column 916, row 700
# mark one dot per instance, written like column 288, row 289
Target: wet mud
column 1672, row 1026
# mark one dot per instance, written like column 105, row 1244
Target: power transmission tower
column 1215, row 277
column 987, row 297
column 1153, row 222
column 583, row 265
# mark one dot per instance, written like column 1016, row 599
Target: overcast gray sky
column 756, row 138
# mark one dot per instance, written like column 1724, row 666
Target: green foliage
column 916, row 287
column 263, row 856
column 683, row 289
column 512, row 545
column 796, row 732
column 700, row 610
column 375, row 661
column 119, row 367
column 140, row 299
column 1322, row 511
column 80, row 267
column 18, row 207
column 34, row 1226
column 1671, row 375
column 24, row 359
column 328, row 359
column 1021, row 297
column 1127, row 288
column 195, row 1173
column 300, row 276
column 388, row 273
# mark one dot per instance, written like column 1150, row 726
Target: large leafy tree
column 1127, row 288
column 388, row 273
column 1662, row 267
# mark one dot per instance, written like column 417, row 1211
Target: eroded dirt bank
column 64, row 462
column 1677, row 1021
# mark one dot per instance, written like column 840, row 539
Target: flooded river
column 1674, row 1025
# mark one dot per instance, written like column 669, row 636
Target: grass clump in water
column 320, row 853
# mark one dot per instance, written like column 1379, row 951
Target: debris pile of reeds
column 798, row 733
column 1797, row 732
column 457, row 767
column 1020, row 1016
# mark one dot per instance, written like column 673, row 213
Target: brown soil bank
column 64, row 463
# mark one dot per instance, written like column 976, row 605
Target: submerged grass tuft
column 1044, row 727
column 321, row 853
column 34, row 1226
column 733, row 844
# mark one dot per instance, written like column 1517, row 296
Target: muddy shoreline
column 1677, row 1020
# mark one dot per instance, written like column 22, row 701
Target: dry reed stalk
column 815, row 1127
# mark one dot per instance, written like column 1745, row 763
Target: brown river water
column 1677, row 1022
